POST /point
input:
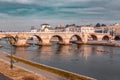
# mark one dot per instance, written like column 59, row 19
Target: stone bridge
column 20, row 38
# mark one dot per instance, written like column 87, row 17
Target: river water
column 100, row 62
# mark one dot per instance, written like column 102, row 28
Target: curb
column 66, row 74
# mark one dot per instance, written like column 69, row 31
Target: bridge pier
column 65, row 42
column 79, row 42
column 45, row 42
column 85, row 38
column 21, row 43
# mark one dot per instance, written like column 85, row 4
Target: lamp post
column 11, row 41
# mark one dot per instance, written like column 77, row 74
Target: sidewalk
column 3, row 77
column 48, row 75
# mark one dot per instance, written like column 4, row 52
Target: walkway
column 44, row 73
column 3, row 77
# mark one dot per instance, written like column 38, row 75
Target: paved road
column 3, row 77
column 49, row 75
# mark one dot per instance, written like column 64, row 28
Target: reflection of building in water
column 86, row 52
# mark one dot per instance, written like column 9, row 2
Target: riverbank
column 111, row 43
column 17, row 73
column 66, row 74
column 29, row 68
column 48, row 72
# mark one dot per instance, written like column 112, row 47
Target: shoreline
column 45, row 74
column 18, row 73
column 112, row 43
column 65, row 74
column 68, row 75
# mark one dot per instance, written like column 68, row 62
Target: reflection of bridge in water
column 47, row 52
column 20, row 38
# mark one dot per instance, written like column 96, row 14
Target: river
column 100, row 62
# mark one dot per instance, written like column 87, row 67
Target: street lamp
column 11, row 41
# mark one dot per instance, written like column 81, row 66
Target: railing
column 34, row 32
column 48, row 33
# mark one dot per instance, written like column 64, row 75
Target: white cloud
column 4, row 15
column 19, row 1
column 58, row 12
column 21, row 10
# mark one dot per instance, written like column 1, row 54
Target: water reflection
column 21, row 52
column 44, row 52
column 100, row 62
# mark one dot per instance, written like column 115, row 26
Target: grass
column 17, row 73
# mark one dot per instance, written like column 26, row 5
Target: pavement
column 3, row 77
column 48, row 75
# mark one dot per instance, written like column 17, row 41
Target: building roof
column 45, row 24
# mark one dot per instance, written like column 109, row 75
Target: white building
column 46, row 28
column 83, row 29
column 72, row 28
column 33, row 29
column 60, row 28
column 87, row 29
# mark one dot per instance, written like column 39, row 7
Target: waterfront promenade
column 43, row 75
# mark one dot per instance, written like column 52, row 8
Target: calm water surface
column 81, row 59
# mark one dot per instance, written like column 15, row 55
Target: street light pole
column 10, row 40
column 11, row 59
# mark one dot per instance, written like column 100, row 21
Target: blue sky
column 20, row 15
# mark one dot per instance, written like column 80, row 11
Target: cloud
column 60, row 11
column 18, row 1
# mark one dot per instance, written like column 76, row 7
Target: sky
column 20, row 15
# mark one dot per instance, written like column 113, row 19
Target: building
column 112, row 29
column 72, row 28
column 81, row 28
column 33, row 29
column 87, row 29
column 46, row 28
column 60, row 28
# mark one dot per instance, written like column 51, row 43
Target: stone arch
column 56, row 38
column 34, row 37
column 117, row 38
column 106, row 38
column 38, row 37
column 75, row 38
column 12, row 37
column 93, row 38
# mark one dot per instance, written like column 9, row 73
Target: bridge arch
column 56, row 38
column 92, row 38
column 106, row 38
column 75, row 38
column 34, row 39
column 12, row 37
column 117, row 38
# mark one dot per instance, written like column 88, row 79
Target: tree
column 103, row 25
column 98, row 25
